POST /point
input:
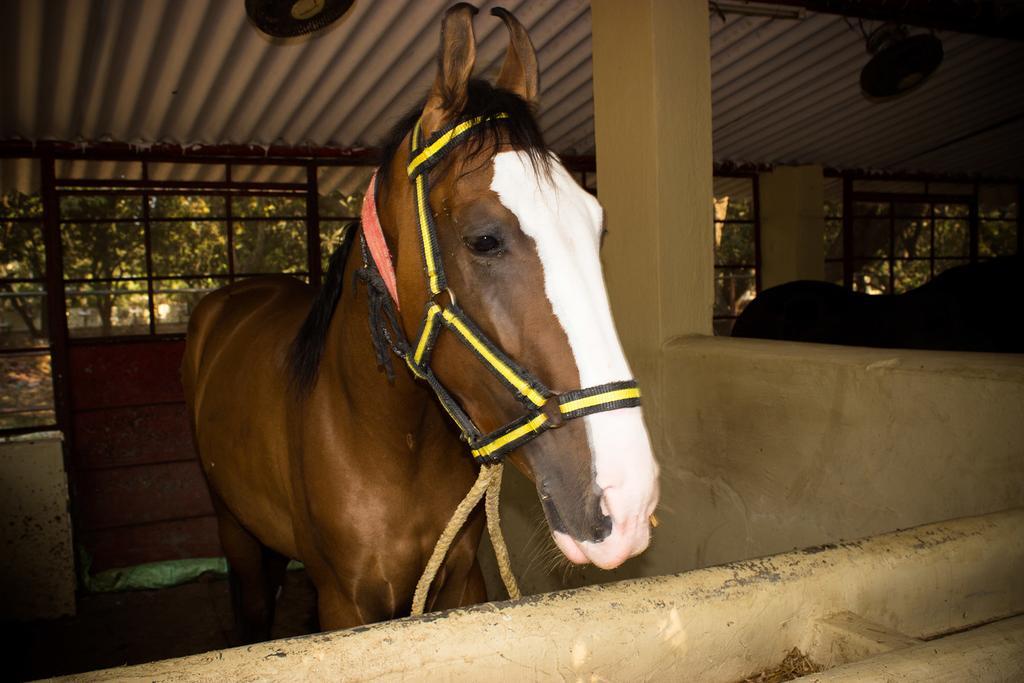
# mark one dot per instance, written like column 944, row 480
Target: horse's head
column 518, row 242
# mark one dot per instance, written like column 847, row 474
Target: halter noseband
column 545, row 409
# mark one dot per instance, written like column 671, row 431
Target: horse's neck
column 406, row 415
column 403, row 415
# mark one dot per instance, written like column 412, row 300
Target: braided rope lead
column 497, row 539
column 488, row 483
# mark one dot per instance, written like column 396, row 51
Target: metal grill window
column 132, row 245
column 26, row 384
column 833, row 212
column 891, row 236
column 737, row 234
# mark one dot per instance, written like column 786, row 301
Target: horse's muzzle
column 613, row 541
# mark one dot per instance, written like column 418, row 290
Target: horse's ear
column 447, row 97
column 519, row 73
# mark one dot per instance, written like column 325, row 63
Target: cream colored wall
column 771, row 446
column 652, row 117
column 780, row 445
column 37, row 570
column 792, row 224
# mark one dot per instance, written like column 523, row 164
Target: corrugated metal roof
column 787, row 91
column 195, row 71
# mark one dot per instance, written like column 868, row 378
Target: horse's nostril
column 600, row 529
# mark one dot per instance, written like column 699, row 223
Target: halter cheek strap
column 544, row 408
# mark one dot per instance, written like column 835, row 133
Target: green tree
column 104, row 246
column 276, row 241
column 23, row 257
column 102, row 253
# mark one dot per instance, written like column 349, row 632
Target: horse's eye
column 483, row 244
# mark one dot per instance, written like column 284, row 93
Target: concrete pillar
column 652, row 112
column 792, row 225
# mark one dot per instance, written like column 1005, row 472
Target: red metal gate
column 138, row 486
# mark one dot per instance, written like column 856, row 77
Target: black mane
column 308, row 346
column 519, row 130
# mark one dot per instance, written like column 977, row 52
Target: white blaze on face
column 565, row 222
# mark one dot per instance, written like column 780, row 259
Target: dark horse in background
column 976, row 307
column 312, row 453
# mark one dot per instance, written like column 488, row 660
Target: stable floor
column 114, row 629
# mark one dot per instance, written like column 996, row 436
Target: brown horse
column 312, row 451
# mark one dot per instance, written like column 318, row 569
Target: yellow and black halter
column 544, row 408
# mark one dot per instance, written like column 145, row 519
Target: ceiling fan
column 290, row 18
column 900, row 62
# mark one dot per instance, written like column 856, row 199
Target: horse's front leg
column 384, row 590
column 255, row 575
column 461, row 590
column 337, row 610
column 355, row 588
column 460, row 581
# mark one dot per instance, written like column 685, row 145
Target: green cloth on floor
column 153, row 574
